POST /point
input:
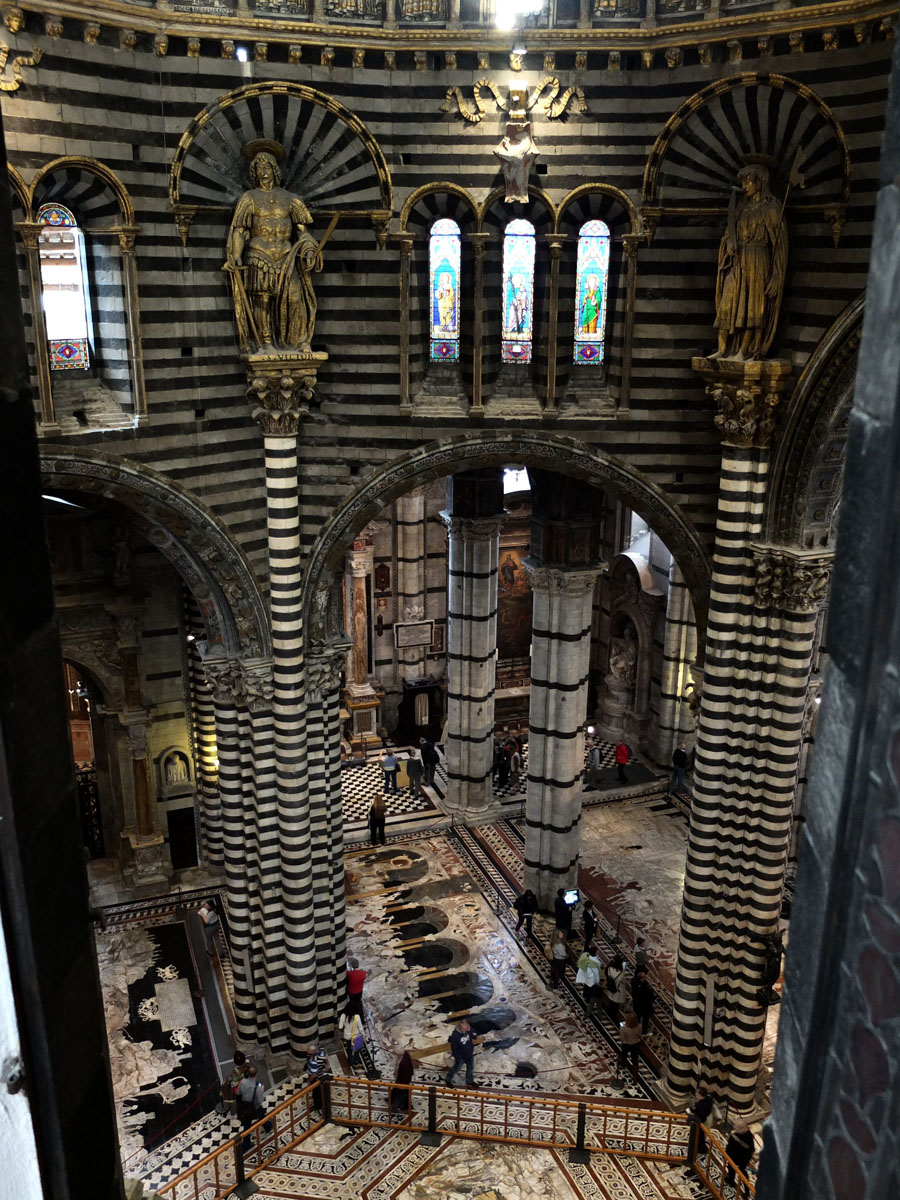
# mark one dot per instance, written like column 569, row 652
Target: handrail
column 517, row 1118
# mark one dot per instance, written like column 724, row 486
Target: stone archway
column 197, row 544
column 550, row 452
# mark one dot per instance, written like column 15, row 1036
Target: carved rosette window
column 518, row 291
column 64, row 292
column 592, row 275
column 444, row 276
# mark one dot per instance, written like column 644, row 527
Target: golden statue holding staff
column 274, row 301
column 752, row 268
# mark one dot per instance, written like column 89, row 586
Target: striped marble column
column 679, row 651
column 474, row 554
column 410, row 524
column 203, row 727
column 560, row 665
column 282, row 385
column 760, row 640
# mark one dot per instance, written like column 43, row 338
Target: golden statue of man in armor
column 274, row 301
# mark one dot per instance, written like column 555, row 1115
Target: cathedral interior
column 449, row 453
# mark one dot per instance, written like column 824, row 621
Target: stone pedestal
column 150, row 869
column 614, row 713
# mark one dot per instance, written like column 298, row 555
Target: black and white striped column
column 760, row 639
column 560, row 664
column 474, row 553
column 411, row 559
column 203, row 729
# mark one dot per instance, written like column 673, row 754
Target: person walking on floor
column 316, row 1071
column 515, row 767
column 462, row 1048
column 642, row 996
column 563, row 912
column 590, row 924
column 353, row 1035
column 592, row 770
column 526, row 906
column 430, row 760
column 356, row 977
column 698, row 1115
column 377, row 818
column 416, row 771
column 501, row 765
column 616, row 995
column 640, row 953
column 400, row 1100
column 588, row 974
column 623, row 757
column 629, row 1045
column 388, row 761
column 558, row 956
column 250, row 1104
column 739, row 1148
column 679, row 766
column 210, row 919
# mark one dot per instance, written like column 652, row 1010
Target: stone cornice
column 811, row 18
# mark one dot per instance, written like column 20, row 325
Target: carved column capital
column 746, row 395
column 31, row 233
column 282, row 385
column 479, row 241
column 248, row 684
column 561, row 580
column 323, row 666
column 473, row 529
column 791, row 580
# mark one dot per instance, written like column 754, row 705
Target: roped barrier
column 579, row 1126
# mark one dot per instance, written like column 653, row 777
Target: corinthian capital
column 323, row 666
column 249, row 685
column 746, row 395
column 561, row 580
column 473, row 529
column 791, row 580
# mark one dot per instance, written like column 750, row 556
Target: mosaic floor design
column 374, row 1164
column 436, row 950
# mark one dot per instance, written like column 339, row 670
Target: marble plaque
column 175, row 1004
column 413, row 633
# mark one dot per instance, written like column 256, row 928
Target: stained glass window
column 443, row 272
column 518, row 291
column 591, row 277
column 64, row 288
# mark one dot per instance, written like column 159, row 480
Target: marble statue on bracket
column 517, row 152
column 752, row 268
column 270, row 259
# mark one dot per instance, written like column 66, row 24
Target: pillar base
column 150, row 871
column 676, row 1101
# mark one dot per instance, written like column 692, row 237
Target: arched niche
column 196, row 543
column 549, row 452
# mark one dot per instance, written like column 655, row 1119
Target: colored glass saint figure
column 517, row 306
column 446, row 302
column 591, row 305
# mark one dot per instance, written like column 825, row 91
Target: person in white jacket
column 588, row 974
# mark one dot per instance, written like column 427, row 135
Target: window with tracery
column 592, row 273
column 64, row 292
column 518, row 291
column 443, row 273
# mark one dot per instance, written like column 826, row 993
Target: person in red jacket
column 623, row 754
column 355, row 980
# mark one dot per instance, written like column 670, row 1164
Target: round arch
column 433, row 189
column 606, row 190
column 551, row 452
column 181, row 528
column 74, row 168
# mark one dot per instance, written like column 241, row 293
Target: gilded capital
column 281, row 387
column 791, row 580
column 746, row 395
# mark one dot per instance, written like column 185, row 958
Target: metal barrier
column 232, row 1164
column 581, row 1127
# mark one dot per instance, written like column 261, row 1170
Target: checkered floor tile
column 360, row 786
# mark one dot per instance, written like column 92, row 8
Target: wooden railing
column 581, row 1127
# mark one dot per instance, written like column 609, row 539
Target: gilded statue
column 270, row 258
column 752, row 267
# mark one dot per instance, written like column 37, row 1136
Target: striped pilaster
column 410, row 525
column 560, row 664
column 474, row 552
column 679, row 651
column 202, row 715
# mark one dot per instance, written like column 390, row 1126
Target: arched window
column 64, row 288
column 590, row 292
column 518, row 291
column 443, row 272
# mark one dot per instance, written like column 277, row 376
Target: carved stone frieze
column 746, row 395
column 249, row 685
column 323, row 666
column 791, row 580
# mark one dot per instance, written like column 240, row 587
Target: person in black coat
column 590, row 924
column 430, row 759
column 739, row 1148
column 526, row 906
column 642, row 997
column 563, row 912
column 697, row 1116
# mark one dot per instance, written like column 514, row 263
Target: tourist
column 642, row 996
column 353, row 1035
column 623, row 756
column 515, row 766
column 616, row 994
column 377, row 818
column 590, row 924
column 316, row 1071
column 400, row 1100
column 588, row 974
column 558, row 955
column 640, row 954
column 698, row 1115
column 388, row 761
column 679, row 766
column 563, row 911
column 356, row 977
column 210, row 919
column 526, row 906
column 250, row 1104
column 739, row 1148
column 230, row 1085
column 501, row 765
column 630, row 1044
column 415, row 770
column 462, row 1048
column 430, row 760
